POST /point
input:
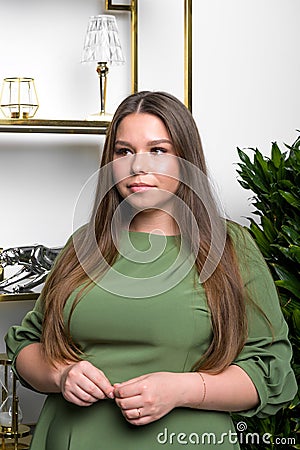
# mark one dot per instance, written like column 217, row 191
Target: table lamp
column 102, row 45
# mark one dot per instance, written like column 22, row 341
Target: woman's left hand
column 149, row 397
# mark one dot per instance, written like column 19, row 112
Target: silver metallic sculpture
column 35, row 261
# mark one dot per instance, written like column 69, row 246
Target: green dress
column 167, row 330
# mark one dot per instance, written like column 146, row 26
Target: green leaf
column 269, row 229
column 290, row 234
column 275, row 173
column 260, row 239
column 289, row 286
column 244, row 184
column 285, row 184
column 287, row 280
column 258, row 183
column 290, row 198
column 292, row 252
column 244, row 157
column 276, row 155
column 261, row 166
column 296, row 320
column 285, row 274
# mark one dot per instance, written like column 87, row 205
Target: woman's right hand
column 83, row 384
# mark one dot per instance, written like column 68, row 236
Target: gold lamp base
column 101, row 117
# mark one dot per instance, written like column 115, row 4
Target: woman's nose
column 140, row 163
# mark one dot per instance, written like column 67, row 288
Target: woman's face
column 145, row 167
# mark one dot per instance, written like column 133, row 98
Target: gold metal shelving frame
column 133, row 9
column 188, row 40
column 53, row 126
column 18, row 297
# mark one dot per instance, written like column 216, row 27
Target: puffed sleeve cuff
column 20, row 336
column 267, row 354
column 271, row 373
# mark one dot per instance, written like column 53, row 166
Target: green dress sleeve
column 19, row 336
column 266, row 356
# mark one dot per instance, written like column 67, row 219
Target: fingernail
column 111, row 395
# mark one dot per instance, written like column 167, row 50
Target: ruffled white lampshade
column 102, row 42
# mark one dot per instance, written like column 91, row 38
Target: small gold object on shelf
column 12, row 432
column 18, row 98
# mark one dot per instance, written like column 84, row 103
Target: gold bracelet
column 204, row 388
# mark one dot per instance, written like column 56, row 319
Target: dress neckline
column 146, row 233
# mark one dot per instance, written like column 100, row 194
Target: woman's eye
column 158, row 150
column 123, row 151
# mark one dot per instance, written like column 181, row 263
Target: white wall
column 246, row 83
column 246, row 75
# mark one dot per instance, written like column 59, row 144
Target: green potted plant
column 275, row 184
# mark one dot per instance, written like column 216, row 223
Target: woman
column 159, row 318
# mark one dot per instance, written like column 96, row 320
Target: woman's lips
column 140, row 187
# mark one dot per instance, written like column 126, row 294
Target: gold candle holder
column 18, row 98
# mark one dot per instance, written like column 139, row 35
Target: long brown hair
column 224, row 288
